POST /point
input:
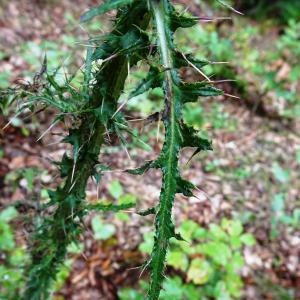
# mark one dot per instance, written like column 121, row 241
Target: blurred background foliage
column 242, row 233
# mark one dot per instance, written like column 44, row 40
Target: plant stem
column 170, row 152
column 50, row 242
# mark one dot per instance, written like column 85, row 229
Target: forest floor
column 253, row 163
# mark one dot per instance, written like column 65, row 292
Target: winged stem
column 171, row 115
column 51, row 239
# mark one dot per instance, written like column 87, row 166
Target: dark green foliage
column 101, row 9
column 94, row 107
column 177, row 135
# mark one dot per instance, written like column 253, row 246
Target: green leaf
column 221, row 292
column 280, row 174
column 147, row 212
column 191, row 91
column 154, row 79
column 217, row 232
column 76, row 248
column 185, row 60
column 185, row 187
column 172, row 289
column 127, row 199
column 103, row 8
column 7, row 241
column 233, row 227
column 187, row 229
column 278, row 204
column 115, row 189
column 235, row 242
column 191, row 138
column 102, row 231
column 75, row 139
column 122, row 217
column 218, row 251
column 178, row 260
column 142, row 169
column 4, row 79
column 199, row 271
column 178, row 20
column 18, row 257
column 109, row 207
column 234, row 284
column 248, row 239
column 8, row 214
column 236, row 263
column 29, row 175
column 147, row 244
column 130, row 294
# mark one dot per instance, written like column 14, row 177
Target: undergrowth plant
column 143, row 31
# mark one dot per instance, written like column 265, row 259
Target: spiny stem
column 171, row 148
column 50, row 242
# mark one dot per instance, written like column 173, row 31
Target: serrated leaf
column 65, row 165
column 154, row 79
column 186, row 60
column 74, row 138
column 103, row 8
column 191, row 138
column 191, row 91
column 185, row 187
column 142, row 169
column 178, row 20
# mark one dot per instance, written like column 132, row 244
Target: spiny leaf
column 185, row 187
column 109, row 207
column 147, row 212
column 230, row 7
column 103, row 8
column 191, row 91
column 178, row 20
column 65, row 223
column 140, row 171
column 183, row 61
column 128, row 43
column 65, row 165
column 191, row 138
column 154, row 79
column 75, row 139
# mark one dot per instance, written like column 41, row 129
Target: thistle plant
column 93, row 107
column 143, row 31
column 177, row 134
